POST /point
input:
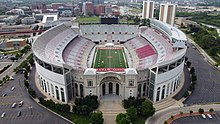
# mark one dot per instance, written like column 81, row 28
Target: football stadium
column 118, row 59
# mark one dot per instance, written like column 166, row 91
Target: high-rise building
column 88, row 8
column 108, row 9
column 100, row 9
column 148, row 9
column 167, row 13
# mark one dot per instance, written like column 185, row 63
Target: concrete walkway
column 110, row 106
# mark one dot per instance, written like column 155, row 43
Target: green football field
column 109, row 58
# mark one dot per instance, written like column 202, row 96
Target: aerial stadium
column 120, row 59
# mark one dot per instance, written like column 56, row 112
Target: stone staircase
column 110, row 109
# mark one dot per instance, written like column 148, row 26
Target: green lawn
column 109, row 58
column 93, row 19
column 76, row 118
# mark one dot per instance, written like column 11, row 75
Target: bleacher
column 141, row 52
column 145, row 51
column 101, row 32
column 162, row 45
column 76, row 53
column 40, row 45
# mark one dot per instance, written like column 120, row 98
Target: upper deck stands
column 109, row 32
column 142, row 52
column 75, row 54
column 40, row 44
column 162, row 45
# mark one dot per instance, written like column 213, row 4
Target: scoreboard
column 109, row 20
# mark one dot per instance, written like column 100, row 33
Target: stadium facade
column 149, row 62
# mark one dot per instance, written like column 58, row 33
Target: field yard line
column 125, row 60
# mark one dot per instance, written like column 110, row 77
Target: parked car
column 12, row 88
column 11, row 78
column 19, row 114
column 4, row 95
column 13, row 105
column 20, row 103
column 203, row 116
column 209, row 116
column 3, row 115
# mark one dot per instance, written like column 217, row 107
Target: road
column 160, row 116
column 31, row 112
column 198, row 119
column 9, row 71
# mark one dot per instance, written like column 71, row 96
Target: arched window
column 52, row 91
column 163, row 92
column 139, row 90
column 62, row 95
column 76, row 89
column 158, row 94
column 81, row 90
column 57, row 92
column 144, row 89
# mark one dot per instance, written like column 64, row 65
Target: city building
column 11, row 30
column 28, row 20
column 88, row 8
column 50, row 20
column 108, row 9
column 15, row 12
column 13, row 44
column 99, row 9
column 68, row 66
column 167, row 13
column 148, row 9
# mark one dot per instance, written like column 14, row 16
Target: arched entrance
column 110, row 86
column 103, row 89
column 117, row 89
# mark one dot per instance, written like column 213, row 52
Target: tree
column 186, row 94
column 188, row 64
column 192, row 70
column 132, row 113
column 96, row 118
column 4, row 79
column 172, row 117
column 137, row 20
column 211, row 110
column 147, row 108
column 26, row 83
column 123, row 118
column 194, row 77
column 201, row 110
column 7, row 77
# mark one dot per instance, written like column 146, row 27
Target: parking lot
column 207, row 85
column 15, row 96
column 198, row 119
column 31, row 112
column 4, row 64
